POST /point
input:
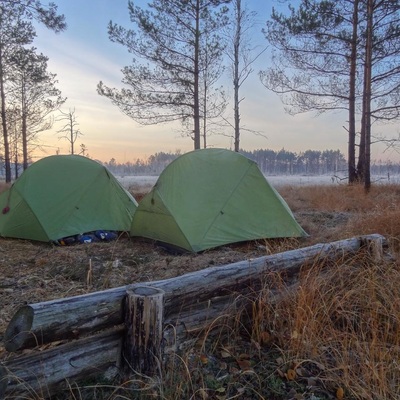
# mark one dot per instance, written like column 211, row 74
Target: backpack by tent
column 211, row 197
column 64, row 195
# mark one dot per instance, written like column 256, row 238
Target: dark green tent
column 65, row 195
column 211, row 197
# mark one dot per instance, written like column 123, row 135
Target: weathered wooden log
column 3, row 381
column 60, row 319
column 41, row 373
column 144, row 317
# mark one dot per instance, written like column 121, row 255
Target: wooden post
column 375, row 248
column 144, row 315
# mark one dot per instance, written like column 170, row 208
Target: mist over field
column 147, row 181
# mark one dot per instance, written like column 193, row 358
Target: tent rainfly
column 212, row 197
column 64, row 195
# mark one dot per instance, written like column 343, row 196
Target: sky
column 83, row 55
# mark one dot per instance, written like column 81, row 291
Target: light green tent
column 61, row 196
column 211, row 197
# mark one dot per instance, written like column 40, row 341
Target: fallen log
column 41, row 373
column 73, row 317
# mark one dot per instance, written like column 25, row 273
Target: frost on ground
column 137, row 182
column 146, row 182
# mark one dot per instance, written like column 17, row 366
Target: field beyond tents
column 337, row 334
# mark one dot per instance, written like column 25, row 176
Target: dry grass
column 337, row 332
column 335, row 212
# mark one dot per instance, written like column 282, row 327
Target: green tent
column 64, row 195
column 211, row 197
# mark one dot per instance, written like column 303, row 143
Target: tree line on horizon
column 270, row 162
column 325, row 56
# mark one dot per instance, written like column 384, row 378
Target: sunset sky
column 83, row 55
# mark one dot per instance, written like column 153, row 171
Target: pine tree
column 17, row 32
column 334, row 55
column 170, row 40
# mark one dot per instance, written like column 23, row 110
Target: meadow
column 336, row 336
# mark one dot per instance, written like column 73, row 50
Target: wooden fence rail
column 86, row 334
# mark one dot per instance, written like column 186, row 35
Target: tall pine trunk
column 352, row 171
column 24, row 131
column 367, row 96
column 6, row 144
column 236, row 50
column 196, row 103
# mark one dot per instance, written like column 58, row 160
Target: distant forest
column 271, row 162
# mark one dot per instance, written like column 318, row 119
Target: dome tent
column 211, row 197
column 64, row 195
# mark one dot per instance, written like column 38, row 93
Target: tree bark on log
column 39, row 374
column 73, row 317
column 43, row 373
column 144, row 317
